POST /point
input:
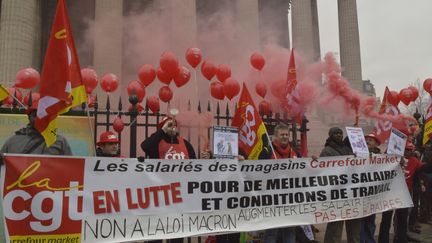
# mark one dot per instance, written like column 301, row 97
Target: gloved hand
column 141, row 159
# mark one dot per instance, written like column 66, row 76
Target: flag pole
column 91, row 129
column 271, row 145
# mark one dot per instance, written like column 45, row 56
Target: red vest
column 173, row 150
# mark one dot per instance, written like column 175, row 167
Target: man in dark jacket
column 282, row 150
column 335, row 146
column 166, row 143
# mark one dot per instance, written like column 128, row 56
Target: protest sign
column 225, row 142
column 118, row 199
column 357, row 140
column 397, row 142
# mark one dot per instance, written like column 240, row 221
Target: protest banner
column 119, row 199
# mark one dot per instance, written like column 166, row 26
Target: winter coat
column 28, row 138
column 331, row 148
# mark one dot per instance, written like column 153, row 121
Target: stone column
column 108, row 34
column 305, row 29
column 349, row 42
column 20, row 38
column 273, row 22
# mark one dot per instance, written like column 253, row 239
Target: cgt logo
column 247, row 134
column 40, row 198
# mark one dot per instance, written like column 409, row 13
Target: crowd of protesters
column 166, row 143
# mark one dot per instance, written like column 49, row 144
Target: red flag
column 252, row 131
column 61, row 85
column 388, row 106
column 292, row 102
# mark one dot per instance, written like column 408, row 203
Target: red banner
column 32, row 192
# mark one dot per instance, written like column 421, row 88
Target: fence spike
column 120, row 106
column 199, row 106
column 108, row 105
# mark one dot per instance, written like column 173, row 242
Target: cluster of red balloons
column 407, row 95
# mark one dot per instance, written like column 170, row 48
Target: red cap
column 163, row 121
column 107, row 137
column 372, row 135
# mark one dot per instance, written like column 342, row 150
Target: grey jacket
column 28, row 137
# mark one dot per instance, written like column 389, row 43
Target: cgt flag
column 428, row 123
column 388, row 106
column 61, row 85
column 4, row 93
column 252, row 131
column 292, row 102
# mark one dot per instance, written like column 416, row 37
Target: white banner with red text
column 95, row 199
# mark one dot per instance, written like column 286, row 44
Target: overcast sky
column 395, row 40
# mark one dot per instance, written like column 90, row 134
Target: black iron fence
column 141, row 124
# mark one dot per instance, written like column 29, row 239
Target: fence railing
column 141, row 124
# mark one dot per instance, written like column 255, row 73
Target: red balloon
column 165, row 94
column 91, row 100
column 169, row 64
column 182, row 77
column 147, row 74
column 138, row 106
column 427, row 85
column 395, row 96
column 261, row 89
column 231, row 88
column 153, row 104
column 118, row 124
column 223, row 72
column 13, row 91
column 415, row 93
column 27, row 78
column 193, row 56
column 265, row 108
column 109, row 82
column 89, row 78
column 138, row 88
column 34, row 98
column 163, row 77
column 406, row 95
column 278, row 89
column 257, row 61
column 217, row 90
column 208, row 69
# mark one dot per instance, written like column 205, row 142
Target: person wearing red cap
column 166, row 143
column 108, row 145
